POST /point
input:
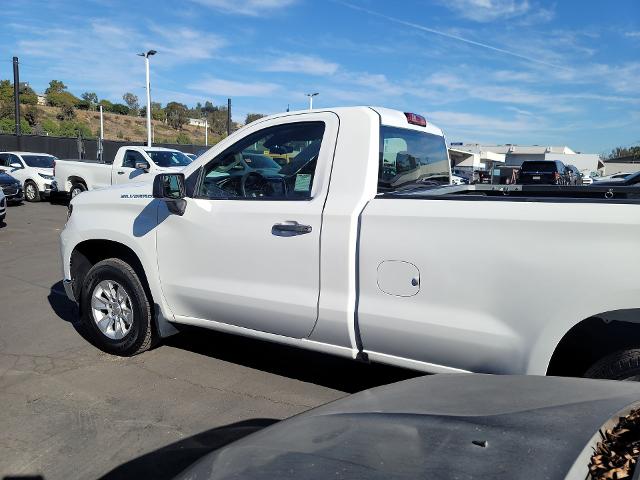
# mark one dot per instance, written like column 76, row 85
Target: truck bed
column 524, row 193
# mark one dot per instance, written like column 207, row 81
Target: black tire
column 31, row 192
column 76, row 189
column 141, row 334
column 621, row 365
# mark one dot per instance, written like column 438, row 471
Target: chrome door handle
column 120, row 172
column 290, row 229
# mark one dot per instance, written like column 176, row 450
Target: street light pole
column 206, row 132
column 311, row 95
column 148, row 85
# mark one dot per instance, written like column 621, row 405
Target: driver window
column 274, row 163
column 131, row 157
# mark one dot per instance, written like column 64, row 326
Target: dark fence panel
column 64, row 147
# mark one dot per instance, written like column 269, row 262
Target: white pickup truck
column 353, row 248
column 131, row 164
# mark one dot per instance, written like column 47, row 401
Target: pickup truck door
column 246, row 251
column 125, row 171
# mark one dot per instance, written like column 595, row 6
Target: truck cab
column 131, row 164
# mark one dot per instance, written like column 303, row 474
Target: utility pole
column 228, row 116
column 311, row 95
column 100, row 145
column 206, row 132
column 16, row 98
column 146, row 63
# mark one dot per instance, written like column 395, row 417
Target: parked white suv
column 33, row 170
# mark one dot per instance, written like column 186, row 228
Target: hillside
column 125, row 127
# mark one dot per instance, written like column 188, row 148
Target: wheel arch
column 75, row 179
column 593, row 338
column 89, row 252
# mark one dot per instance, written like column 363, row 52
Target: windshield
column 39, row 161
column 545, row 167
column 169, row 158
column 410, row 158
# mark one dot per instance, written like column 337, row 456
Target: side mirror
column 142, row 165
column 170, row 188
column 15, row 165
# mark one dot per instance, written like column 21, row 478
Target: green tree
column 55, row 86
column 132, row 102
column 120, row 109
column 176, row 114
column 90, row 97
column 27, row 95
column 106, row 105
column 208, row 107
column 84, row 105
column 624, row 152
column 252, row 117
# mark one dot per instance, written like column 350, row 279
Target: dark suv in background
column 547, row 172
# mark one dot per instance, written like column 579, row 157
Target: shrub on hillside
column 7, row 125
column 183, row 139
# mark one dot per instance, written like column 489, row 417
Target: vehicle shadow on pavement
column 169, row 461
column 312, row 367
column 61, row 305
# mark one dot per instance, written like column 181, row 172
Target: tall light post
column 311, row 95
column 146, row 62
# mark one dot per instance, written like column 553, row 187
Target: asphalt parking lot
column 71, row 411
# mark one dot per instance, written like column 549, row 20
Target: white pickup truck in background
column 131, row 164
column 356, row 246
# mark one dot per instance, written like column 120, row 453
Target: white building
column 197, row 122
column 514, row 155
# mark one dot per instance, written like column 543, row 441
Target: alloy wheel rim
column 111, row 309
column 31, row 193
column 75, row 192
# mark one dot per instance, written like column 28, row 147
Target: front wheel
column 621, row 365
column 115, row 313
column 31, row 192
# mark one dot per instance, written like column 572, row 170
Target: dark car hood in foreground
column 6, row 179
column 441, row 426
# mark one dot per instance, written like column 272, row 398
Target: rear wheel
column 77, row 189
column 31, row 192
column 621, row 365
column 115, row 313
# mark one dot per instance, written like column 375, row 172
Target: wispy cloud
column 493, row 10
column 632, row 34
column 246, row 7
column 305, row 64
column 442, row 33
column 116, row 68
column 218, row 86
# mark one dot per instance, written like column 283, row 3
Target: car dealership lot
column 71, row 411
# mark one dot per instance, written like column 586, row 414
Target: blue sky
column 491, row 71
